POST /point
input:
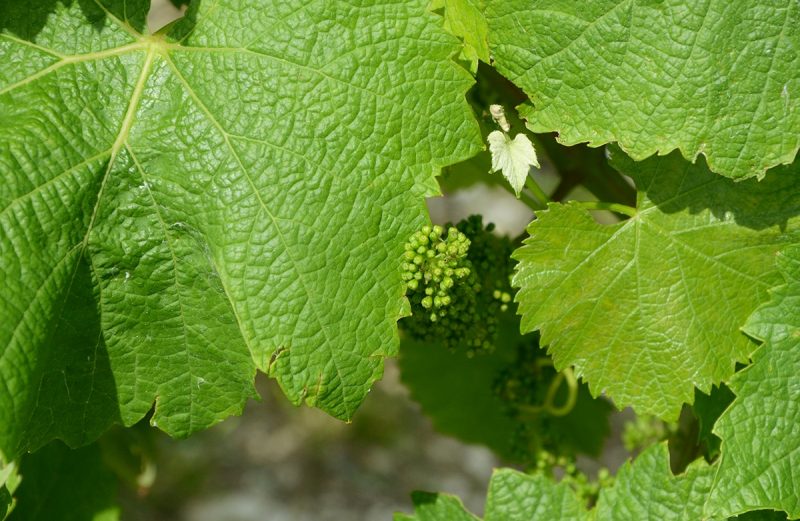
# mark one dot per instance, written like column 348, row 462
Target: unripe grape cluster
column 458, row 284
column 586, row 489
column 433, row 264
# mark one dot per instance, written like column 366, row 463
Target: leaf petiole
column 536, row 190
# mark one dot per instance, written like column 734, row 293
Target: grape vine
column 242, row 190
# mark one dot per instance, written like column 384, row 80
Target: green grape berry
column 463, row 275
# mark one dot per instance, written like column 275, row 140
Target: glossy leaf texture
column 760, row 437
column 709, row 77
column 648, row 308
column 179, row 210
column 644, row 490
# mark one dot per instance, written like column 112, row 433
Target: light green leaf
column 465, row 19
column 178, row 210
column 60, row 484
column 514, row 157
column 514, row 496
column 9, row 481
column 645, row 490
column 651, row 307
column 711, row 77
column 436, row 507
column 759, row 431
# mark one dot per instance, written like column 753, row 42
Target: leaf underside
column 651, row 307
column 179, row 210
column 711, row 77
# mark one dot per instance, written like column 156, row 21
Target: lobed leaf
column 710, row 77
column 760, row 430
column 180, row 209
column 649, row 308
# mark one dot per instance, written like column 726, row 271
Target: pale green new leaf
column 714, row 77
column 9, row 481
column 645, row 490
column 651, row 307
column 760, row 431
column 178, row 210
column 513, row 157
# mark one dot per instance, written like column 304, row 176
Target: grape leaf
column 759, row 431
column 455, row 391
column 465, row 19
column 180, row 209
column 9, row 481
column 516, row 496
column 647, row 489
column 717, row 78
column 514, row 157
column 62, row 484
column 650, row 307
column 436, row 507
column 643, row 490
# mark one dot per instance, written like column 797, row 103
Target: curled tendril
column 548, row 405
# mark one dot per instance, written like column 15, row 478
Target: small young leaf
column 514, row 157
